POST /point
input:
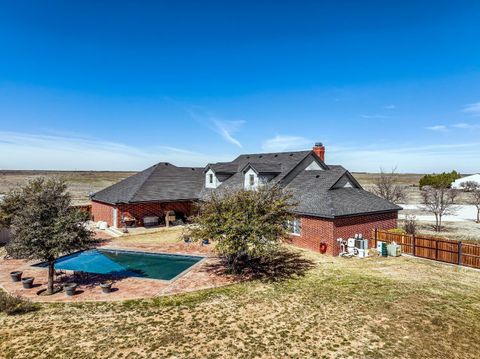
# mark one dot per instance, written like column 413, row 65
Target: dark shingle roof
column 288, row 161
column 264, row 167
column 314, row 195
column 329, row 193
column 352, row 201
column 161, row 182
column 224, row 167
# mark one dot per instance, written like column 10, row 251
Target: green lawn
column 373, row 308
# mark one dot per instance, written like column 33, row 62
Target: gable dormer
column 346, row 181
column 258, row 174
column 311, row 162
column 217, row 173
column 314, row 166
column 211, row 180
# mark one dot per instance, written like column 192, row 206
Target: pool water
column 126, row 263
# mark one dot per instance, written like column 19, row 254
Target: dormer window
column 211, row 180
column 250, row 180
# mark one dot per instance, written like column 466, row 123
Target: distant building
column 459, row 183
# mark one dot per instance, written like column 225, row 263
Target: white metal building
column 458, row 184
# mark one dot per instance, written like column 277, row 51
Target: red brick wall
column 316, row 230
column 313, row 231
column 140, row 210
column 102, row 212
column 349, row 226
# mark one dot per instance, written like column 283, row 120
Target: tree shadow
column 279, row 265
column 90, row 280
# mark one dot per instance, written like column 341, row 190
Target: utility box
column 382, row 249
column 394, row 250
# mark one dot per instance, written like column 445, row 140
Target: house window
column 251, row 180
column 210, row 178
column 293, row 226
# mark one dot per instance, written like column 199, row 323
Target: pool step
column 114, row 232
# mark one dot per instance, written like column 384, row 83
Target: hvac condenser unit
column 361, row 243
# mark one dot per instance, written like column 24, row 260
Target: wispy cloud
column 285, row 143
column 224, row 128
column 374, row 116
column 458, row 126
column 438, row 128
column 467, row 126
column 31, row 151
column 227, row 129
column 390, row 107
column 473, row 109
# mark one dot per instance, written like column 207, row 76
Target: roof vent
column 260, row 156
column 291, row 154
column 275, row 156
column 248, row 156
column 317, row 176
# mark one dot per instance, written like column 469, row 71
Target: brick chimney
column 319, row 150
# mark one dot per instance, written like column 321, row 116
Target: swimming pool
column 125, row 263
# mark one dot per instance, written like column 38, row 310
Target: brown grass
column 371, row 308
column 80, row 183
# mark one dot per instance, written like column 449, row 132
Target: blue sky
column 120, row 85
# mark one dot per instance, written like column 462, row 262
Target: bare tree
column 386, row 186
column 410, row 225
column 474, row 197
column 469, row 186
column 439, row 201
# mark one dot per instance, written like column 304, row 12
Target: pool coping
column 108, row 248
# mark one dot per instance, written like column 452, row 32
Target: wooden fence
column 438, row 249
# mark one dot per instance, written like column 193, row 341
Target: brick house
column 330, row 202
column 152, row 192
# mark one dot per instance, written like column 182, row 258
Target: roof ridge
column 272, row 153
column 291, row 170
column 154, row 167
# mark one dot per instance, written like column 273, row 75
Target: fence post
column 436, row 250
column 375, row 236
column 459, row 256
column 413, row 244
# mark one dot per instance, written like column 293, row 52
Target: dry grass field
column 409, row 180
column 343, row 308
column 81, row 183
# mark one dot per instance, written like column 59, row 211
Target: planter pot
column 106, row 287
column 27, row 282
column 16, row 276
column 205, row 242
column 70, row 288
column 186, row 240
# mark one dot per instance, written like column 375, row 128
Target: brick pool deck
column 203, row 275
